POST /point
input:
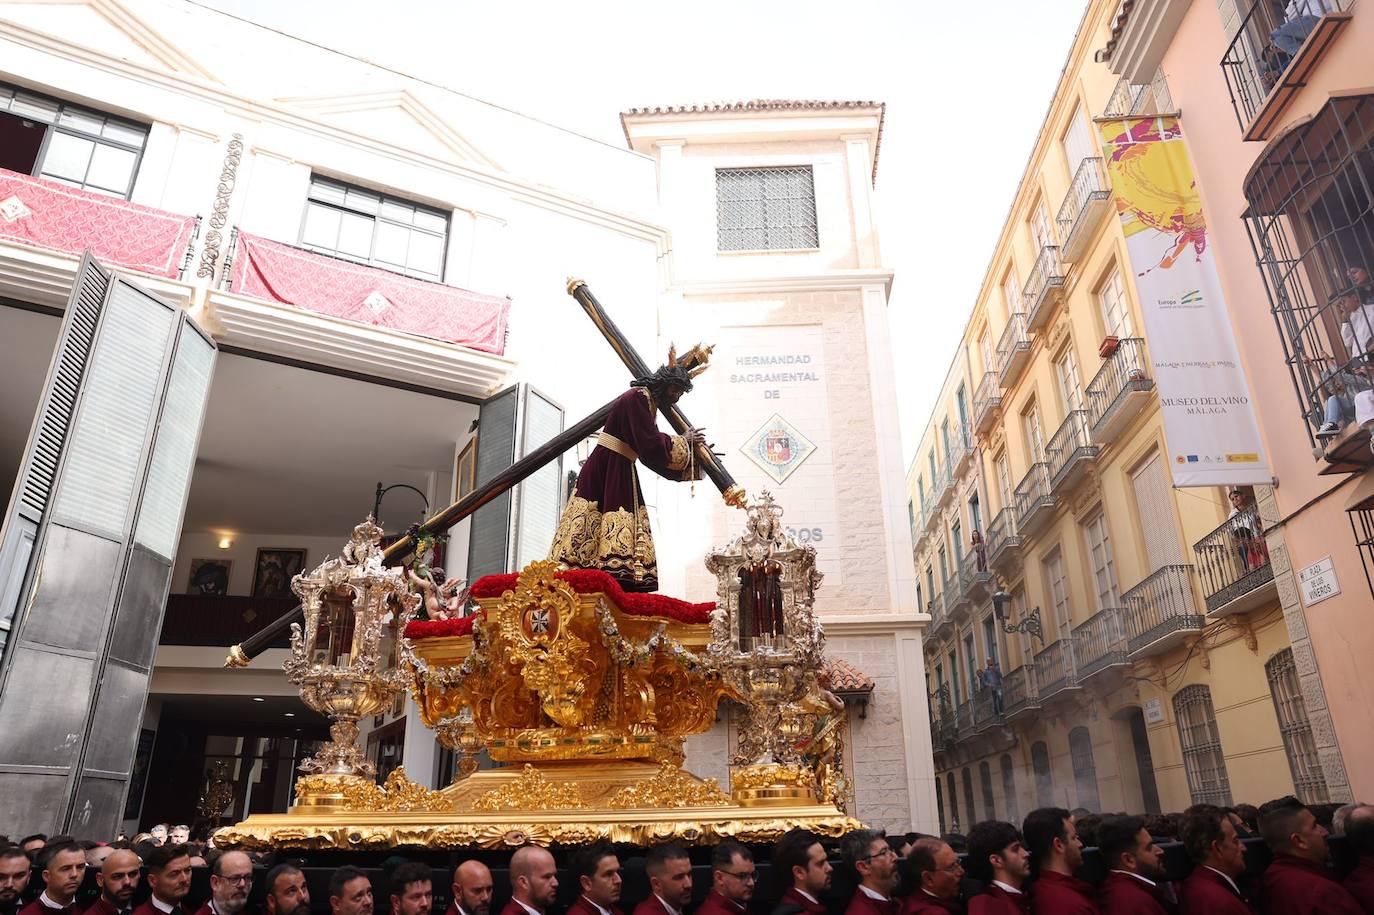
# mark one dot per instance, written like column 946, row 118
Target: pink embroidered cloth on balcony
column 46, row 214
column 368, row 295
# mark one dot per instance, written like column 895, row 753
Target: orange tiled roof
column 845, row 677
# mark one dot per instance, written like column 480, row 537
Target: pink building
column 1276, row 99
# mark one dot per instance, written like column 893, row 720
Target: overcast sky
column 966, row 87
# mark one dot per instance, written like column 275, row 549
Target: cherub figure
column 445, row 601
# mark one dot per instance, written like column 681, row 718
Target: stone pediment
column 397, row 117
column 106, row 26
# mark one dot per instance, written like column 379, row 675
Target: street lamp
column 1030, row 624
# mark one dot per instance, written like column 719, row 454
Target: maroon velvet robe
column 1056, row 894
column 996, row 901
column 1206, row 892
column 1360, row 883
column 793, row 897
column 1122, row 894
column 604, row 525
column 863, row 904
column 716, row 904
column 1295, row 886
column 583, row 906
column 652, row 905
column 919, row 902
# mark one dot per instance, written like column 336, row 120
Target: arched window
column 1309, row 781
column 989, row 802
column 968, row 799
column 1084, row 769
column 953, row 802
column 1009, row 790
column 1202, row 757
column 1044, row 782
column 940, row 806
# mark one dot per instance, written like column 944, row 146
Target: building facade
column 370, row 269
column 1137, row 628
column 1275, row 106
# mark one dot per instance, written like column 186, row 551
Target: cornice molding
column 815, row 282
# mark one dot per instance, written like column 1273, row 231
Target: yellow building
column 1144, row 657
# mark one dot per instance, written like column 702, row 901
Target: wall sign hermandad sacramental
column 778, row 448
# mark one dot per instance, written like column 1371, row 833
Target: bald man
column 533, row 881
column 118, row 879
column 472, row 889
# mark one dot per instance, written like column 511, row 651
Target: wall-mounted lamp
column 225, row 543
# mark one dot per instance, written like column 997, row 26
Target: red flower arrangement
column 434, row 629
column 594, row 581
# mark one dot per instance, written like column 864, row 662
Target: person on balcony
column 1300, row 18
column 1244, row 523
column 990, row 679
column 980, row 550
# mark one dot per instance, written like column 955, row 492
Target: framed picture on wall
column 274, row 569
column 465, row 470
column 209, row 577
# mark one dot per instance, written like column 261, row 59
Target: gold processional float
column 583, row 695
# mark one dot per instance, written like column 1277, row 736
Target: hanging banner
column 1209, row 419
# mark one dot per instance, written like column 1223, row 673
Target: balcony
column 930, row 513
column 1085, row 205
column 1013, row 351
column 944, row 486
column 1161, row 612
column 1135, row 99
column 944, row 603
column 1054, row 669
column 1018, row 692
column 1070, row 452
column 1233, row 566
column 960, row 451
column 1119, row 391
column 1034, row 499
column 1043, row 288
column 1004, row 540
column 1273, row 55
column 963, row 721
column 985, row 715
column 974, row 584
column 987, row 399
column 1099, row 645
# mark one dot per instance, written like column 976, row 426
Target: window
column 975, row 513
column 971, row 663
column 372, row 228
column 1044, row 781
column 940, row 805
column 1035, row 434
column 911, row 514
column 1053, row 568
column 766, row 209
column 1077, row 140
column 968, row 796
column 1100, row 555
column 1009, row 789
column 944, row 567
column 1084, row 769
column 1039, row 223
column 944, row 437
column 1111, row 300
column 1070, row 382
column 989, row 801
column 1201, row 742
column 990, row 639
column 933, row 475
column 1004, row 491
column 956, row 533
column 921, row 490
column 920, row 597
column 1011, row 292
column 1311, row 221
column 985, row 350
column 1309, row 781
column 954, row 674
column 953, row 801
column 930, row 582
column 75, row 146
column 961, row 403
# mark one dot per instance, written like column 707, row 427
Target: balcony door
column 1070, row 381
column 1058, row 586
column 87, row 548
column 1035, row 433
column 1040, row 228
column 1004, row 491
column 1077, row 142
column 1157, row 526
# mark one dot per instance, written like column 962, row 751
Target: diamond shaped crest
column 778, row 448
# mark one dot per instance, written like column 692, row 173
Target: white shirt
column 1145, row 880
column 49, row 903
column 873, row 894
column 1226, row 878
column 1006, row 888
column 1357, row 332
column 162, row 906
column 525, row 907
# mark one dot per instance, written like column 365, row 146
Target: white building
column 370, row 201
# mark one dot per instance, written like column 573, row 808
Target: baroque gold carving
column 671, row 787
column 531, row 791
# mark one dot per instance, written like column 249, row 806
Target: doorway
column 1144, row 763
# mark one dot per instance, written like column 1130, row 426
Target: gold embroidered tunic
column 605, row 525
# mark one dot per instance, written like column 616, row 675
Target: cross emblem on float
column 539, row 622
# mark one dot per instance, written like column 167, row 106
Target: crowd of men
column 1006, row 871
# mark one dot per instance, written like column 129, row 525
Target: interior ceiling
column 29, row 340
column 242, row 710
column 290, row 451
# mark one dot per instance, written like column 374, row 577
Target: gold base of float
column 571, row 803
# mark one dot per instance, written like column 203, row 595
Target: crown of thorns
column 679, row 371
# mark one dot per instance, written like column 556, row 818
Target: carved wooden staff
column 240, row 655
column 710, row 464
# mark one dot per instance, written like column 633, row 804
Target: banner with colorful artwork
column 1209, row 419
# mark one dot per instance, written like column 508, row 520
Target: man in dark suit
column 997, row 856
column 733, row 878
column 1135, row 867
column 670, row 881
column 799, row 858
column 875, row 863
column 597, row 872
column 533, row 881
column 1218, row 854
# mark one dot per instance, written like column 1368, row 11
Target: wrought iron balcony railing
column 1054, row 668
column 1100, row 643
column 960, row 451
column 1085, row 204
column 1119, row 390
column 985, row 712
column 1161, row 611
column 944, row 483
column 986, row 399
column 1043, row 287
column 963, row 720
column 1018, row 691
column 1034, row 499
column 1013, row 350
column 1130, row 100
column 1002, row 536
column 1069, row 451
column 1233, row 563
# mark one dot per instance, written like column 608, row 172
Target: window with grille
column 1009, row 789
column 371, row 228
column 1044, row 781
column 1309, row 782
column 766, row 209
column 1311, row 221
column 989, row 801
column 1084, row 768
column 968, row 796
column 1208, row 782
column 72, row 145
